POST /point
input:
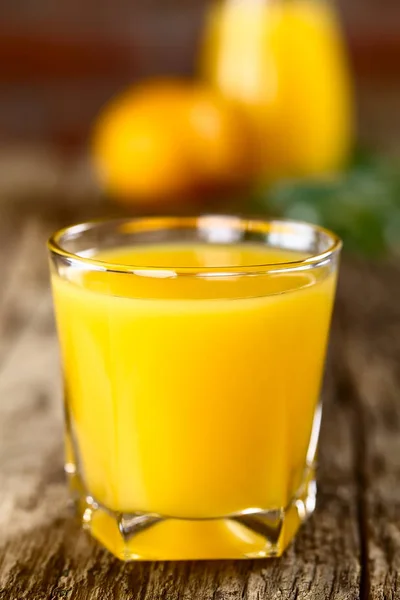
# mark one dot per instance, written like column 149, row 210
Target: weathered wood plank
column 371, row 323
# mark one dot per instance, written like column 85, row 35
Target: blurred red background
column 61, row 61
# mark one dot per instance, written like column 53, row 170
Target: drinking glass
column 192, row 353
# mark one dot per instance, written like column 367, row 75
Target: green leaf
column 362, row 204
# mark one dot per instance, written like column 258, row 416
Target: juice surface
column 193, row 397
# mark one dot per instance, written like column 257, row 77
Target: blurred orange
column 167, row 140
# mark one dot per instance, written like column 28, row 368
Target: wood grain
column 349, row 549
column 372, row 352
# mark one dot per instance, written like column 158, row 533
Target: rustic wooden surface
column 349, row 549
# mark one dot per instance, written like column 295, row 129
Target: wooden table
column 349, row 549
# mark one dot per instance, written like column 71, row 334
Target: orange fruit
column 166, row 139
column 220, row 140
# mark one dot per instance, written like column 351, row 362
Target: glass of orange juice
column 193, row 352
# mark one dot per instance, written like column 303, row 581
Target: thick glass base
column 252, row 533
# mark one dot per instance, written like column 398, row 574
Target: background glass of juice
column 193, row 352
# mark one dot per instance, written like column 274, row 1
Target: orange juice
column 192, row 397
column 284, row 62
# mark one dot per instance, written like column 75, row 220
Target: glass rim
column 55, row 245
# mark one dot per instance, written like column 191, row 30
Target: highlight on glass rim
column 199, row 307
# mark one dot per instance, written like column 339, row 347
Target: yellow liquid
column 190, row 397
column 284, row 62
